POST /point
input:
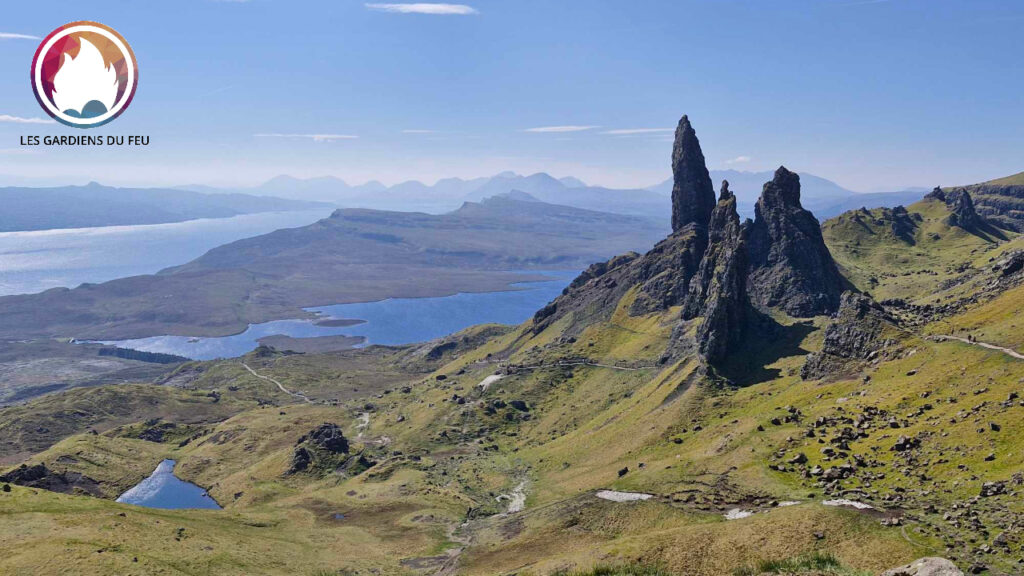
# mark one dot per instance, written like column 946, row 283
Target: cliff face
column 999, row 204
column 791, row 268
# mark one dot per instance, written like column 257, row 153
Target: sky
column 876, row 95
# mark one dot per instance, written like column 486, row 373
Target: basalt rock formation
column 322, row 445
column 961, row 208
column 662, row 276
column 712, row 265
column 693, row 194
column 855, row 336
column 718, row 290
column 791, row 268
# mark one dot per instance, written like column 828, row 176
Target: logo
column 84, row 74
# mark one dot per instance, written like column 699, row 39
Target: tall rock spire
column 693, row 194
column 791, row 268
column 718, row 290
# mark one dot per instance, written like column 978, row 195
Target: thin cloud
column 631, row 131
column 559, row 129
column 313, row 137
column 739, row 160
column 20, row 120
column 415, row 131
column 15, row 36
column 425, row 8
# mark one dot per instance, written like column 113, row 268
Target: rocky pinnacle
column 791, row 268
column 693, row 194
column 718, row 290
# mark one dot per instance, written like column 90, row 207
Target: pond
column 165, row 490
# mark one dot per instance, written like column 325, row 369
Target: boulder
column 930, row 566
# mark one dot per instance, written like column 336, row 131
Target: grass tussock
column 617, row 570
column 815, row 563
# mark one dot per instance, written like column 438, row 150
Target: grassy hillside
column 1015, row 180
column 894, row 254
column 489, row 453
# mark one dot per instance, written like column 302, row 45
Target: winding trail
column 1008, row 351
column 279, row 385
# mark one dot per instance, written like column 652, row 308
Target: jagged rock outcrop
column 790, row 266
column 961, row 208
column 930, row 566
column 329, row 437
column 855, row 335
column 301, row 459
column 40, row 476
column 322, row 446
column 693, row 194
column 718, row 290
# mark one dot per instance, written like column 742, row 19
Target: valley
column 845, row 394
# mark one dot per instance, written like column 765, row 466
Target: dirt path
column 571, row 363
column 1008, row 351
column 279, row 385
column 364, row 423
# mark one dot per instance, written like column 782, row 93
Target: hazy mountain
column 97, row 205
column 822, row 196
column 546, row 188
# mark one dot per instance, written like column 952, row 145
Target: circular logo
column 84, row 74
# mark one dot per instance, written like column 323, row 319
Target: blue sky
column 875, row 94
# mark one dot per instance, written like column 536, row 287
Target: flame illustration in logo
column 85, row 86
column 84, row 74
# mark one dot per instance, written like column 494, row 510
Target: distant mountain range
column 823, row 197
column 97, row 205
column 449, row 193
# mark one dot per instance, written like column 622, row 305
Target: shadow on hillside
column 989, row 232
column 766, row 342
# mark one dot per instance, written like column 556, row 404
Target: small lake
column 165, row 490
column 38, row 260
column 394, row 321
